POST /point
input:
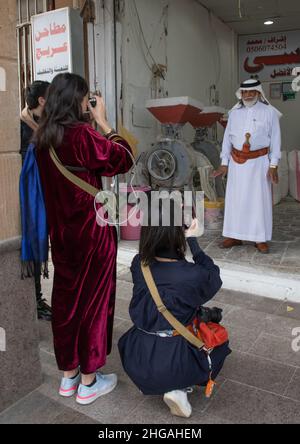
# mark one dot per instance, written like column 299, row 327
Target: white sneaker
column 103, row 385
column 178, row 403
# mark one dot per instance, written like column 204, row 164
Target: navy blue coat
column 158, row 365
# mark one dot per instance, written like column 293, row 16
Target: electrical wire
column 132, row 188
column 136, row 35
column 139, row 36
column 218, row 48
column 145, row 42
column 163, row 14
column 142, row 32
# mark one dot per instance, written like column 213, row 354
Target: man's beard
column 249, row 103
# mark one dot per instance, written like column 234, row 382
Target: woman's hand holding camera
column 194, row 229
column 99, row 114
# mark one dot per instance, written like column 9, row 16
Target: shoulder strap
column 180, row 328
column 85, row 186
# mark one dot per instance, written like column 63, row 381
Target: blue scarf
column 34, row 249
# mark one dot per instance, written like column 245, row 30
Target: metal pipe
column 24, row 56
column 22, row 24
column 19, row 68
column 27, row 10
column 30, row 61
column 20, row 12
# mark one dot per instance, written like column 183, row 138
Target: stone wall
column 10, row 161
column 20, row 370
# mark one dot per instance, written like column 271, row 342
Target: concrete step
column 257, row 279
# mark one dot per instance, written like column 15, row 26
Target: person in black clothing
column 156, row 360
column 35, row 97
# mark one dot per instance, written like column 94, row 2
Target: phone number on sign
column 259, row 48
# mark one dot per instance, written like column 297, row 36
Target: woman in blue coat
column 155, row 360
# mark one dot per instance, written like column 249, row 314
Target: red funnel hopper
column 174, row 109
column 208, row 116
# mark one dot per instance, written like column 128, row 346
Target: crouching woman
column 155, row 357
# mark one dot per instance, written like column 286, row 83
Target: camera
column 93, row 101
column 207, row 314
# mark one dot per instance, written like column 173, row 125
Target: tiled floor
column 259, row 382
column 284, row 254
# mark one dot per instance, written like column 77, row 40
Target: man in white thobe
column 250, row 156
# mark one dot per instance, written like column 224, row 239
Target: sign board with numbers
column 269, row 57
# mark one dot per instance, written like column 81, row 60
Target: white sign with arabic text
column 270, row 57
column 51, row 44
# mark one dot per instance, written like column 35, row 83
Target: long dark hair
column 62, row 109
column 156, row 238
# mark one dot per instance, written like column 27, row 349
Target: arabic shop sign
column 270, row 57
column 51, row 44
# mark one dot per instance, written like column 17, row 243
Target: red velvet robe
column 83, row 253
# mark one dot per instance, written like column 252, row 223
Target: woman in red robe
column 83, row 253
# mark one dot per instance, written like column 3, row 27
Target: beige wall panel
column 64, row 3
column 8, row 21
column 9, row 109
column 10, row 166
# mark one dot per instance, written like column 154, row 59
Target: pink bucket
column 130, row 230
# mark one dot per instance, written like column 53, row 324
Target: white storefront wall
column 290, row 128
column 198, row 50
